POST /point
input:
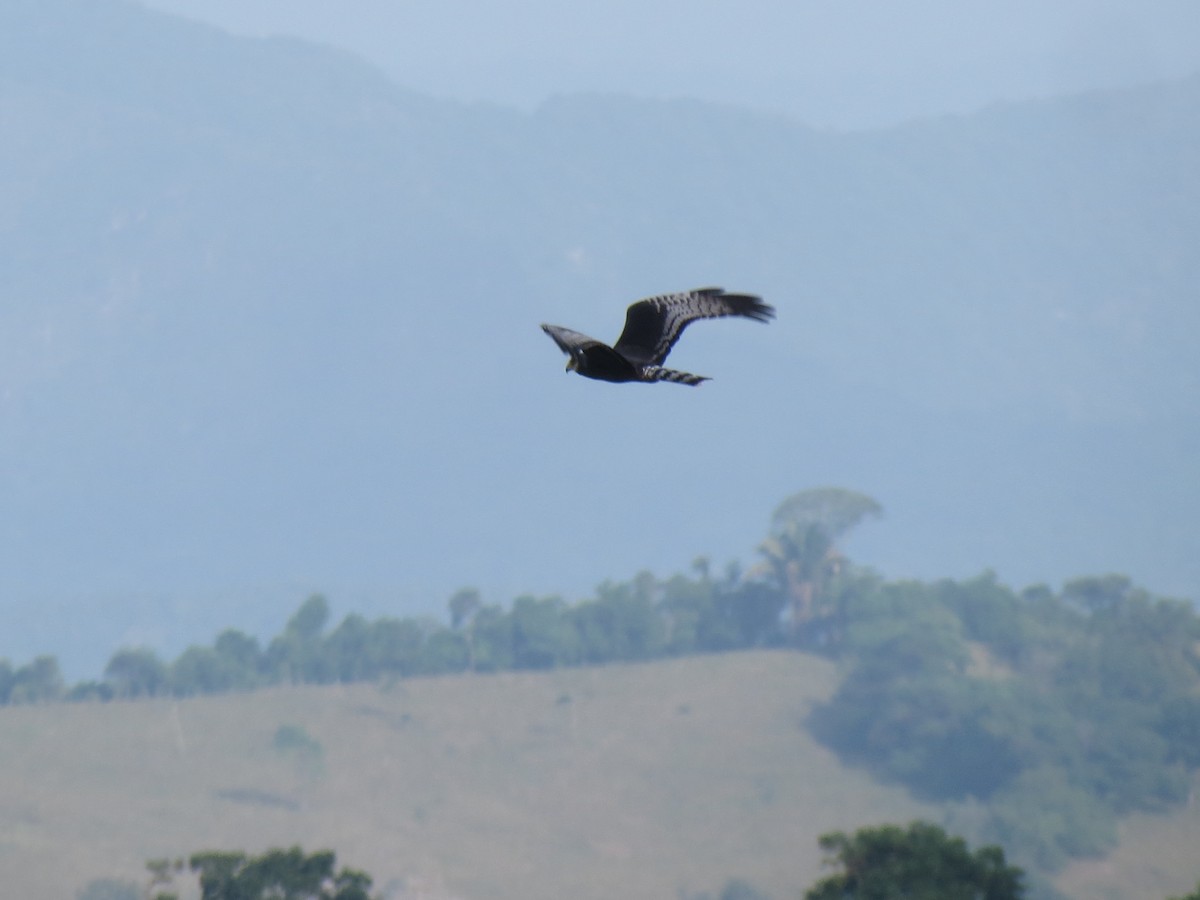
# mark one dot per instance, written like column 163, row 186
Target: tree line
column 639, row 620
column 920, row 860
column 874, row 863
column 642, row 619
column 1054, row 712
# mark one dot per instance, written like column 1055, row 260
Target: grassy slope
column 1157, row 858
column 630, row 781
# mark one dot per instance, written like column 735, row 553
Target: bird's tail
column 657, row 373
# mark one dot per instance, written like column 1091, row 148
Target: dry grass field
column 622, row 781
column 1159, row 857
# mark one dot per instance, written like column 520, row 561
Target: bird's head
column 572, row 364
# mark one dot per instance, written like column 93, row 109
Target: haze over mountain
column 269, row 326
column 837, row 65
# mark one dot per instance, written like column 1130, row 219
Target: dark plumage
column 652, row 326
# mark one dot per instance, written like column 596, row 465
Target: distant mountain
column 269, row 325
column 831, row 64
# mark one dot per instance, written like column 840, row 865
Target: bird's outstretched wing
column 570, row 341
column 653, row 325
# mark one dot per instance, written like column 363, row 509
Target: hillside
column 636, row 780
column 270, row 326
column 618, row 781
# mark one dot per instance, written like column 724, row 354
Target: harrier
column 652, row 326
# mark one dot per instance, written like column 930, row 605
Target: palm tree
column 801, row 551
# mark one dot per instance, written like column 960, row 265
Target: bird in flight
column 652, row 326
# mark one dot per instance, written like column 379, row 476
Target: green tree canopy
column 920, row 862
column 275, row 875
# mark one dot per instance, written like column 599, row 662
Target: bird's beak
column 571, row 366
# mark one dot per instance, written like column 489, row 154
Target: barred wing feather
column 653, row 325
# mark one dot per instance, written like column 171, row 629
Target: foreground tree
column 275, row 875
column 920, row 862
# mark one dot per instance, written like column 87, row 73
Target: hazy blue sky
column 833, row 64
column 984, row 323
